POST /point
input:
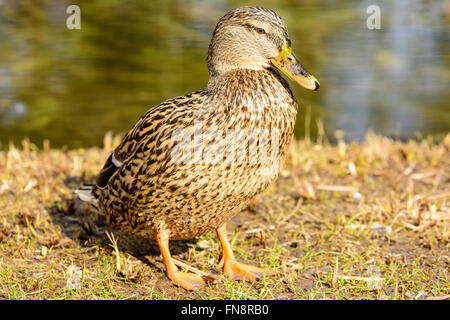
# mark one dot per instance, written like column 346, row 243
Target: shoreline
column 367, row 220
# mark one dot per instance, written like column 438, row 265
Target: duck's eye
column 260, row 30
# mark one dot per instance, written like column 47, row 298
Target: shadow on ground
column 87, row 227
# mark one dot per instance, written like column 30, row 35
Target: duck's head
column 255, row 38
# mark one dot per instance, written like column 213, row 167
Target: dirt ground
column 343, row 221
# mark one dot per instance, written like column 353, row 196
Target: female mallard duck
column 193, row 162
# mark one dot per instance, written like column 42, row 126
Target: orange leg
column 232, row 268
column 188, row 281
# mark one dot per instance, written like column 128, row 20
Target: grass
column 344, row 221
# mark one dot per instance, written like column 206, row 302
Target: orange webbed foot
column 189, row 281
column 240, row 271
column 236, row 270
column 186, row 280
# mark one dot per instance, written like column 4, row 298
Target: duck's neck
column 255, row 90
column 226, row 76
column 257, row 101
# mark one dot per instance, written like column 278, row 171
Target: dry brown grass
column 350, row 221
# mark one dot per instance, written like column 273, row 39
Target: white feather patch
column 86, row 195
column 116, row 162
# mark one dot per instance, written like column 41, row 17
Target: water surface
column 72, row 86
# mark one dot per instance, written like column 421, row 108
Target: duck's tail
column 85, row 193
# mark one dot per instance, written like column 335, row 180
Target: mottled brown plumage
column 149, row 192
column 145, row 187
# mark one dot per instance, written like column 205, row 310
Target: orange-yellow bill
column 288, row 63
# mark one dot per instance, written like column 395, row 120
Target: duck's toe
column 240, row 271
column 190, row 281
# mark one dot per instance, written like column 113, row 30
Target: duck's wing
column 110, row 167
column 144, row 142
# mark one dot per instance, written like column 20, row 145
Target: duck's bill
column 287, row 63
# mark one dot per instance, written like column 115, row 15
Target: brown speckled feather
column 148, row 192
column 193, row 162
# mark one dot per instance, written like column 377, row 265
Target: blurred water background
column 72, row 86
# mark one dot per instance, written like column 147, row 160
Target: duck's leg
column 232, row 268
column 188, row 281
